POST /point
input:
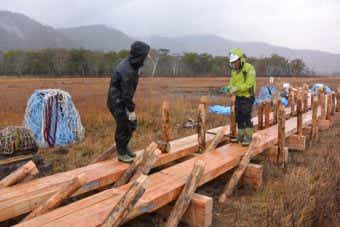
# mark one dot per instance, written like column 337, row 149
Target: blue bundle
column 53, row 118
column 221, row 110
column 316, row 87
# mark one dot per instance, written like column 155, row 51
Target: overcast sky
column 303, row 24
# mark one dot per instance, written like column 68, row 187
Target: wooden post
column 297, row 142
column 147, row 164
column 29, row 169
column 291, row 103
column 164, row 144
column 277, row 103
column 204, row 101
column 322, row 103
column 281, row 136
column 337, row 100
column 235, row 178
column 105, row 155
column 305, row 100
column 267, row 114
column 333, row 104
column 201, row 129
column 324, row 122
column 217, row 139
column 329, row 107
column 55, row 201
column 128, row 174
column 299, row 115
column 126, row 203
column 315, row 129
column 233, row 130
column 253, row 176
column 260, row 115
column 184, row 199
column 198, row 214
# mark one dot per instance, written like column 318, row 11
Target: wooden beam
column 201, row 129
column 253, row 176
column 238, row 173
column 121, row 210
column 198, row 214
column 267, row 114
column 15, row 159
column 58, row 198
column 233, row 128
column 29, row 169
column 141, row 158
column 145, row 167
column 260, row 116
column 105, row 155
column 164, row 145
column 184, row 199
column 165, row 186
column 217, row 140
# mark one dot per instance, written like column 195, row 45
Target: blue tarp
column 221, row 110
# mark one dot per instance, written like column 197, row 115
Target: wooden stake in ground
column 305, row 100
column 128, row 174
column 277, row 103
column 337, row 100
column 58, row 197
column 229, row 188
column 281, row 135
column 260, row 116
column 27, row 170
column 105, row 155
column 126, row 203
column 299, row 111
column 164, row 144
column 329, row 107
column 233, row 130
column 148, row 162
column 267, row 114
column 184, row 199
column 314, row 131
column 201, row 129
column 291, row 103
column 217, row 139
column 334, row 104
column 322, row 103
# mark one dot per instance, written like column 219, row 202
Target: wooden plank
column 29, row 169
column 16, row 159
column 185, row 197
column 199, row 213
column 164, row 186
column 253, row 176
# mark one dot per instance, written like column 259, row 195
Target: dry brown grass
column 305, row 194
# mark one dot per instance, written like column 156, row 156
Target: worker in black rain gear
column 120, row 102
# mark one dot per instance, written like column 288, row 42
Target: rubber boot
column 130, row 153
column 239, row 136
column 248, row 135
column 125, row 158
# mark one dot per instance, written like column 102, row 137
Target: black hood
column 138, row 53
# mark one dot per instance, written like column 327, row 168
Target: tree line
column 81, row 62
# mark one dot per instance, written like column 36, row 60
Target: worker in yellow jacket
column 243, row 86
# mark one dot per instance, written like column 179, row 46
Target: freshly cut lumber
column 253, row 176
column 21, row 199
column 29, row 169
column 233, row 128
column 139, row 160
column 260, row 116
column 198, row 214
column 164, row 187
column 126, row 203
column 201, row 129
column 217, row 140
column 15, row 159
column 105, row 155
column 186, row 195
column 238, row 173
column 145, row 167
column 58, row 198
column 267, row 114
